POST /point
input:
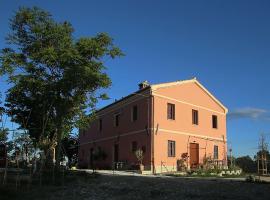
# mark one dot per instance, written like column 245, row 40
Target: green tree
column 3, row 130
column 246, row 164
column 70, row 149
column 3, row 135
column 55, row 77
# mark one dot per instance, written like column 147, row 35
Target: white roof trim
column 194, row 80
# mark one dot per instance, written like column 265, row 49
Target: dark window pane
column 195, row 117
column 170, row 111
column 214, row 121
column 134, row 113
column 100, row 124
column 116, row 120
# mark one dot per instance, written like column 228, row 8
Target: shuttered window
column 195, row 117
column 171, row 111
column 171, row 148
column 215, row 152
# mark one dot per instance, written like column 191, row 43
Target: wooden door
column 194, row 155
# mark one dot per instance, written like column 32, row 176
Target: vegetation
column 55, row 77
column 246, row 164
column 139, row 155
column 95, row 186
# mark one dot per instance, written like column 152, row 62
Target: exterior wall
column 123, row 135
column 153, row 129
column 181, row 130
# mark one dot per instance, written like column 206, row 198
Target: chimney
column 143, row 84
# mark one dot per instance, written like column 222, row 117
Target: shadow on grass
column 42, row 187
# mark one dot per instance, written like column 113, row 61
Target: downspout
column 152, row 132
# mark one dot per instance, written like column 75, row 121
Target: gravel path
column 142, row 187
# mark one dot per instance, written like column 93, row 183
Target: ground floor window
column 215, row 152
column 171, row 148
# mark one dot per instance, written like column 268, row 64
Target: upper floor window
column 116, row 119
column 214, row 121
column 215, row 152
column 171, row 111
column 134, row 113
column 100, row 125
column 195, row 117
column 171, row 148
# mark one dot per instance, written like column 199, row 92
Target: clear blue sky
column 225, row 44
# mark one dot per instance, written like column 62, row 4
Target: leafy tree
column 70, row 149
column 23, row 143
column 55, row 77
column 246, row 164
column 260, row 153
column 3, row 130
column 3, row 135
column 1, row 109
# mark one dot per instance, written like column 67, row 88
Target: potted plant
column 139, row 155
column 182, row 163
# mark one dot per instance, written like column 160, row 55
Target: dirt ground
column 134, row 187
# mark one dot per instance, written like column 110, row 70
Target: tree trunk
column 58, row 149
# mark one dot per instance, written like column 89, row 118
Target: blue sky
column 225, row 44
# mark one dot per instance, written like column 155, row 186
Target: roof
column 194, row 80
column 124, row 98
column 167, row 84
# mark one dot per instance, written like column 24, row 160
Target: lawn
column 83, row 186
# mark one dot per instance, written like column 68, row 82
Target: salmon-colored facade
column 166, row 121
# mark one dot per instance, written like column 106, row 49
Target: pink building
column 166, row 121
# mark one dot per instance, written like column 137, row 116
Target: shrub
column 139, row 155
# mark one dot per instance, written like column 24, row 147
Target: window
column 116, row 120
column 134, row 146
column 215, row 152
column 195, row 117
column 171, row 148
column 171, row 111
column 134, row 113
column 214, row 121
column 100, row 124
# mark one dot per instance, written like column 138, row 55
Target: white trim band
column 155, row 129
